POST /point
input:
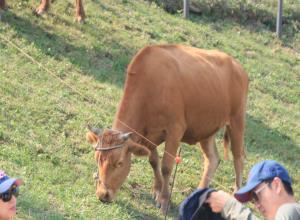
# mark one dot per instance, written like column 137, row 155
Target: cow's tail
column 226, row 141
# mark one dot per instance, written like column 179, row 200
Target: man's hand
column 217, row 200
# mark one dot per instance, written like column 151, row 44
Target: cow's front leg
column 154, row 161
column 80, row 15
column 44, row 6
column 2, row 7
column 2, row 4
column 211, row 160
column 166, row 169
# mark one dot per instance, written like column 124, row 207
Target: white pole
column 186, row 8
column 279, row 19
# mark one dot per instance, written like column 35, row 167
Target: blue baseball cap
column 6, row 182
column 265, row 170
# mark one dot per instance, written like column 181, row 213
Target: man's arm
column 230, row 208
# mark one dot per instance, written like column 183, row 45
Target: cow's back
column 169, row 84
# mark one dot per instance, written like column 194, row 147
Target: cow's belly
column 192, row 136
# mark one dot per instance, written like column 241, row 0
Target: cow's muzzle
column 104, row 195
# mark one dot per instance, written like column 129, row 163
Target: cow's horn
column 125, row 136
column 96, row 131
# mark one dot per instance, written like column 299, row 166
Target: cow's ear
column 137, row 149
column 95, row 130
column 91, row 137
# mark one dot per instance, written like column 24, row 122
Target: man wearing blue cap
column 269, row 187
column 8, row 193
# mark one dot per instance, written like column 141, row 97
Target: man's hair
column 288, row 188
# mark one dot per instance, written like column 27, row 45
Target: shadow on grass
column 137, row 213
column 243, row 14
column 266, row 143
column 253, row 18
column 144, row 200
column 32, row 209
column 106, row 62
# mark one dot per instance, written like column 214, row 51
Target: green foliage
column 171, row 6
column 44, row 110
column 261, row 12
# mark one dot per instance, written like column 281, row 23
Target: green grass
column 43, row 119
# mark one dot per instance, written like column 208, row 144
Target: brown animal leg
column 2, row 4
column 172, row 144
column 167, row 166
column 80, row 15
column 236, row 133
column 226, row 141
column 211, row 160
column 44, row 6
column 154, row 161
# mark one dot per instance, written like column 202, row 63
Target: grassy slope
column 42, row 121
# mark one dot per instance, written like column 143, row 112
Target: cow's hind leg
column 211, row 160
column 236, row 133
column 154, row 161
column 44, row 6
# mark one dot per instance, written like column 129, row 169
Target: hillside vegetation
column 260, row 13
column 57, row 76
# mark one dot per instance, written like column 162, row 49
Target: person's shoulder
column 288, row 211
column 290, row 206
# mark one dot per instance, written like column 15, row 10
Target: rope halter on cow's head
column 109, row 139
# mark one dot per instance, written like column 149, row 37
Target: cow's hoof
column 155, row 195
column 79, row 19
column 157, row 205
column 163, row 205
column 164, row 208
column 39, row 11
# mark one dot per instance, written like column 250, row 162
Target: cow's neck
column 130, row 114
column 128, row 119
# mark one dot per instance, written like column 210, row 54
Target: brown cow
column 45, row 4
column 173, row 93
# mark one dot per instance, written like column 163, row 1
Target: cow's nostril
column 105, row 197
column 102, row 200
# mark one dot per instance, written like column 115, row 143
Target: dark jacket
column 195, row 208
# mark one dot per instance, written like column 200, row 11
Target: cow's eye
column 119, row 164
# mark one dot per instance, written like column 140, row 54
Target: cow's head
column 113, row 151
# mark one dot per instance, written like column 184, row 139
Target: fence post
column 279, row 19
column 186, row 8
